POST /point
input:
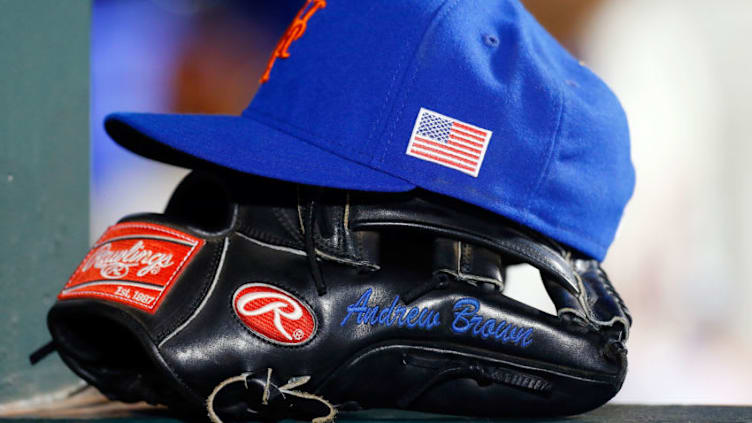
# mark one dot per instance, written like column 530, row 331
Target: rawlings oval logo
column 274, row 314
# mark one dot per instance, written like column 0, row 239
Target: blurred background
column 681, row 259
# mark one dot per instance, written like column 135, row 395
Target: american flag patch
column 448, row 142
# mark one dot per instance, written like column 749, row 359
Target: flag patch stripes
column 448, row 142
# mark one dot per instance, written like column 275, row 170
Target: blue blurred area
column 191, row 56
column 134, row 44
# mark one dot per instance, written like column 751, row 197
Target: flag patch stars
column 448, row 142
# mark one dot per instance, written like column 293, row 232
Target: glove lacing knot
column 286, row 389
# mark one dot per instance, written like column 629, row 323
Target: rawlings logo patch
column 133, row 263
column 274, row 314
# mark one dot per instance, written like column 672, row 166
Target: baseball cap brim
column 244, row 145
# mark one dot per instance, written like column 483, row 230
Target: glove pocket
column 139, row 282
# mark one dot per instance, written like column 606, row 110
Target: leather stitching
column 441, row 14
column 289, row 226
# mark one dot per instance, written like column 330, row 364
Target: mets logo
column 294, row 31
column 274, row 314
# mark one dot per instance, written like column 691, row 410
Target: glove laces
column 288, row 389
column 309, row 221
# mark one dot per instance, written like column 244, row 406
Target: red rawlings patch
column 274, row 314
column 133, row 263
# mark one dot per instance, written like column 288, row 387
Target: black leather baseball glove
column 250, row 299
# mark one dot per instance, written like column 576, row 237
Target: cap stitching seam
column 308, row 137
column 409, row 87
column 544, row 175
column 549, row 157
column 384, row 108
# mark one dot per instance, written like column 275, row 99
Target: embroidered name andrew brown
column 467, row 319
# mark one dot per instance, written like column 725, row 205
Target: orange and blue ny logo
column 294, row 31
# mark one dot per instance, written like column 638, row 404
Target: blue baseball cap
column 470, row 99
